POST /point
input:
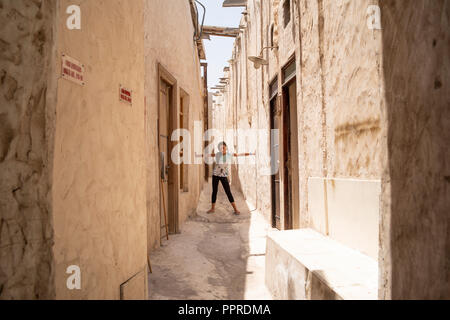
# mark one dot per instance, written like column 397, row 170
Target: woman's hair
column 221, row 144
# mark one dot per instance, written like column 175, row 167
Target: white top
column 221, row 164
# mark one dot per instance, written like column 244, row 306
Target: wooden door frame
column 173, row 208
column 185, row 101
column 273, row 105
column 283, row 85
column 294, row 149
column 285, row 140
column 274, row 115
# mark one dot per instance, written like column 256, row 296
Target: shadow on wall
column 236, row 181
column 414, row 230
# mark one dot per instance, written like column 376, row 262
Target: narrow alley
column 224, row 150
column 216, row 256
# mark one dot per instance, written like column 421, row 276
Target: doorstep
column 306, row 265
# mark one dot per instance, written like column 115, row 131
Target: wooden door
column 290, row 153
column 287, row 165
column 164, row 164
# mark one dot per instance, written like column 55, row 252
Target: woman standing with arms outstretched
column 221, row 173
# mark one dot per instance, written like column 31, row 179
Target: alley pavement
column 217, row 256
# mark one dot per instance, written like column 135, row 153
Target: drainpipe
column 203, row 19
column 198, row 32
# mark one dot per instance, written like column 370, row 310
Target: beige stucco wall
column 27, row 105
column 338, row 79
column 79, row 170
column 339, row 108
column 415, row 201
column 372, row 105
column 169, row 41
column 351, row 68
column 99, row 181
column 338, row 91
column 347, row 210
column 339, row 113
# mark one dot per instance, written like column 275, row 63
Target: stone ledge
column 303, row 264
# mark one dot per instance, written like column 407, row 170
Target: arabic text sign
column 125, row 95
column 72, row 70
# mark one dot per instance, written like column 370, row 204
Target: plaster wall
column 305, row 265
column 347, row 210
column 99, row 181
column 169, row 32
column 27, row 108
column 415, row 201
column 372, row 105
column 338, row 91
column 339, row 112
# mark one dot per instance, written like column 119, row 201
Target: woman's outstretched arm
column 243, row 154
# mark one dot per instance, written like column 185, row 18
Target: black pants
column 226, row 187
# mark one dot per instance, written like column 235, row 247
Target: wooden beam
column 201, row 49
column 221, row 31
column 234, row 3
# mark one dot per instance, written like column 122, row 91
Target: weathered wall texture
column 339, row 96
column 339, row 110
column 169, row 41
column 100, row 216
column 415, row 235
column 351, row 88
column 338, row 91
column 372, row 104
column 79, row 169
column 26, row 132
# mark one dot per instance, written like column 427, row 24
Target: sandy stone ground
column 216, row 256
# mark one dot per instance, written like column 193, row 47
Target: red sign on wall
column 72, row 70
column 125, row 95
